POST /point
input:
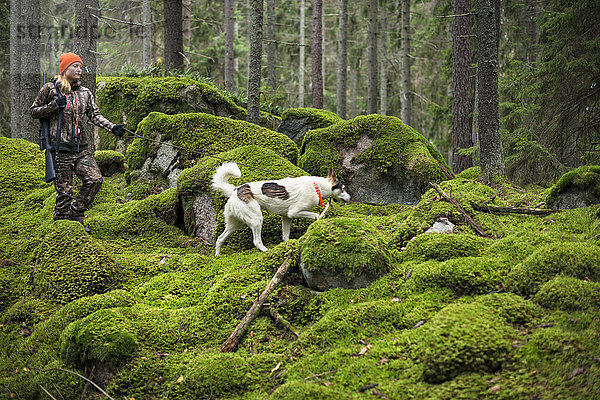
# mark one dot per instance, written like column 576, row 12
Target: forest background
column 548, row 65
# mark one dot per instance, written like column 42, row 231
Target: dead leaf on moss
column 495, row 389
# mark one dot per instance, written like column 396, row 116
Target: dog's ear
column 331, row 175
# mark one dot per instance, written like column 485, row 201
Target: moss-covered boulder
column 71, row 264
column 110, row 162
column 463, row 338
column 343, row 252
column 576, row 189
column 577, row 260
column 569, row 294
column 98, row 339
column 442, row 247
column 21, row 170
column 189, row 137
column 295, row 122
column 203, row 207
column 381, row 159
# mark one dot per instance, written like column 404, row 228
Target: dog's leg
column 231, row 225
column 285, row 227
column 302, row 214
column 254, row 219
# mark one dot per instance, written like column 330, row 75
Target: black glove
column 61, row 101
column 118, row 130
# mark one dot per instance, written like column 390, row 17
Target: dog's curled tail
column 221, row 177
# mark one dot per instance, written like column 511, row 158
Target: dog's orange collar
column 318, row 193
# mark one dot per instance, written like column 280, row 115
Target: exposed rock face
column 201, row 218
column 297, row 121
column 572, row 198
column 295, row 129
column 381, row 159
column 324, row 279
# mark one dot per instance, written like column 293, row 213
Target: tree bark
column 317, row 54
column 383, row 60
column 492, row 158
column 173, row 35
column 186, row 25
column 229, row 35
column 353, row 92
column 147, row 32
column 405, row 53
column 342, row 68
column 271, row 46
column 255, row 65
column 301, row 57
column 372, row 72
column 531, row 29
column 462, row 106
column 26, row 70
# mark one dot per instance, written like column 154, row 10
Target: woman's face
column 73, row 71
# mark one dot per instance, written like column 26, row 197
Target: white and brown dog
column 288, row 197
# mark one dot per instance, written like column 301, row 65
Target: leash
column 134, row 135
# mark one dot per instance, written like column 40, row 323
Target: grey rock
column 323, row 279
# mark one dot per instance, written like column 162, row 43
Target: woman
column 65, row 94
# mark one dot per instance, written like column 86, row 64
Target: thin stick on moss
column 469, row 219
column 279, row 319
column 79, row 375
column 242, row 327
column 47, row 392
column 513, row 210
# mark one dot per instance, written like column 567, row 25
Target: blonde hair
column 65, row 86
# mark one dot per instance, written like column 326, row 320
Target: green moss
column 72, row 264
column 470, row 173
column 99, row 338
column 21, row 170
column 316, row 118
column 298, row 389
column 567, row 293
column 441, row 247
column 347, row 246
column 199, row 134
column 582, row 178
column 465, row 192
column 110, row 162
column 137, row 97
column 149, row 220
column 463, row 276
column 514, row 309
column 578, row 260
column 463, row 338
column 397, row 149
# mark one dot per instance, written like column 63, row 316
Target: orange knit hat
column 67, row 59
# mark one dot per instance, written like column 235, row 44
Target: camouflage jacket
column 79, row 102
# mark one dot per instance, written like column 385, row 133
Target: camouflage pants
column 84, row 166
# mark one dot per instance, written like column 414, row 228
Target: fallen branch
column 280, row 320
column 513, row 210
column 469, row 219
column 242, row 327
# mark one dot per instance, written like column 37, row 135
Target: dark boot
column 80, row 220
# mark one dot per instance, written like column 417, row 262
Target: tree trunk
column 255, row 63
column 301, row 58
column 405, row 52
column 462, row 105
column 342, row 69
column 27, row 49
column 173, row 35
column 354, row 92
column 147, row 29
column 86, row 38
column 317, row 54
column 492, row 159
column 229, row 68
column 15, row 69
column 271, row 46
column 372, row 98
column 383, row 61
column 186, row 25
column 531, row 29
